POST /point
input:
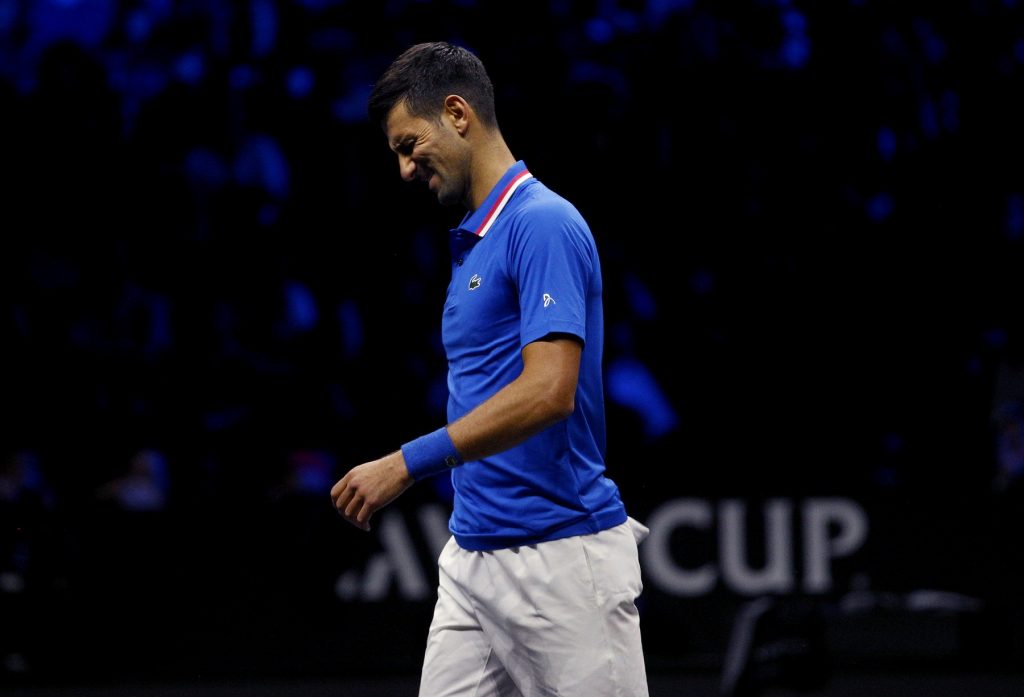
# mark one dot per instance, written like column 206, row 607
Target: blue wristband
column 430, row 454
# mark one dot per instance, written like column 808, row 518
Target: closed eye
column 405, row 147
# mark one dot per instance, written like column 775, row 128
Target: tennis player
column 539, row 580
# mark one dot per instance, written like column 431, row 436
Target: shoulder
column 538, row 199
column 542, row 210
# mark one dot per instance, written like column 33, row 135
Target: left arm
column 543, row 394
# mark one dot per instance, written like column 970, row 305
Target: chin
column 448, row 198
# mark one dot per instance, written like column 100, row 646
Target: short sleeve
column 552, row 261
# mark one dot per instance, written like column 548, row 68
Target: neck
column 490, row 163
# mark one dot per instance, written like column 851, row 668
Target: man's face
column 431, row 151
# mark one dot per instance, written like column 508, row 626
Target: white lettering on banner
column 434, row 521
column 819, row 515
column 830, row 528
column 398, row 563
column 657, row 559
column 778, row 573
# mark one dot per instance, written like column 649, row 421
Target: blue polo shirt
column 524, row 267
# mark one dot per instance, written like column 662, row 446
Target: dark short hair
column 424, row 74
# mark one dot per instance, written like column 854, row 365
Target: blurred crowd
column 218, row 295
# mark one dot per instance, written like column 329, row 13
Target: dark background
column 218, row 296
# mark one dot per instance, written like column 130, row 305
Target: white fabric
column 555, row 618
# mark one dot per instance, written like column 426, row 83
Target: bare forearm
column 540, row 397
column 503, row 421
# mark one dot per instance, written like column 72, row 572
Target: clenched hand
column 369, row 487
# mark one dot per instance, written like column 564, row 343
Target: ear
column 458, row 111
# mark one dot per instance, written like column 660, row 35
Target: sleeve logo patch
column 548, row 300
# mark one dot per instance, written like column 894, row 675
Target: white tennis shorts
column 555, row 618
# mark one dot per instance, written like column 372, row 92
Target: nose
column 407, row 167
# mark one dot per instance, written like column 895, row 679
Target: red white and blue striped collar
column 479, row 222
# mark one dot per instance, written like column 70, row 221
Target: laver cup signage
column 794, row 544
column 696, row 546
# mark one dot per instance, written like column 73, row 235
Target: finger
column 354, row 514
column 344, row 500
column 336, row 491
column 352, row 508
column 363, row 517
column 339, row 489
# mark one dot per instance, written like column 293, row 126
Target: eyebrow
column 401, row 142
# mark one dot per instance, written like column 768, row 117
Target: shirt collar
column 478, row 222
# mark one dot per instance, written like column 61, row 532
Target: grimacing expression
column 429, row 150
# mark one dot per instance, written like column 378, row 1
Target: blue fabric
column 534, row 274
column 430, row 454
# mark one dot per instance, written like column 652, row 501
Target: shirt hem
column 592, row 524
column 558, row 327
